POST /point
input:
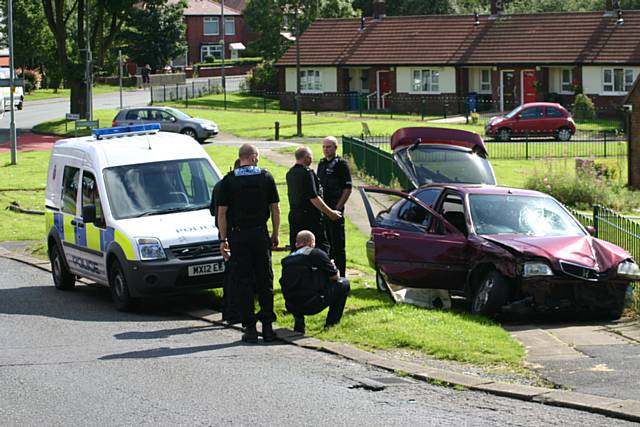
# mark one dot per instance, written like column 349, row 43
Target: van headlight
column 150, row 249
column 536, row 268
column 629, row 269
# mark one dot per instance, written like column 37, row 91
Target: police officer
column 335, row 179
column 310, row 283
column 248, row 196
column 305, row 200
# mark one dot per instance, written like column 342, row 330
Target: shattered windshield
column 526, row 215
column 442, row 164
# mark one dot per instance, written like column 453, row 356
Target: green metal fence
column 374, row 162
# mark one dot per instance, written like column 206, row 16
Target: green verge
column 372, row 321
column 39, row 94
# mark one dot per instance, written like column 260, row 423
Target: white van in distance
column 129, row 208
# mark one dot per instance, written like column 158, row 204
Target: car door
column 414, row 246
column 168, row 122
column 529, row 121
column 135, row 117
column 554, row 119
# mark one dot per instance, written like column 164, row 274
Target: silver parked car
column 170, row 120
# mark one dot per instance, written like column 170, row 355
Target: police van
column 128, row 207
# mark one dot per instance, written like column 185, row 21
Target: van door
column 92, row 234
column 69, row 217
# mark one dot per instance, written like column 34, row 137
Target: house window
column 566, row 83
column 617, row 79
column 485, row 80
column 211, row 26
column 426, row 81
column 210, row 50
column 229, row 26
column 310, row 81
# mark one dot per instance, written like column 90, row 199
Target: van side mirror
column 591, row 229
column 89, row 214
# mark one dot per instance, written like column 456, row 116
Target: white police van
column 129, row 208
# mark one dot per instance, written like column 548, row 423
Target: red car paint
column 533, row 119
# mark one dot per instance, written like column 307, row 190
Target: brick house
column 505, row 59
column 204, row 30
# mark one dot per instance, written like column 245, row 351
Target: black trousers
column 334, row 296
column 231, row 304
column 335, row 236
column 252, row 273
column 305, row 220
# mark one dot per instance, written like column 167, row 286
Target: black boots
column 298, row 325
column 267, row 333
column 250, row 334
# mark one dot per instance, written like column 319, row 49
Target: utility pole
column 120, row 74
column 12, row 88
column 224, row 49
column 298, row 96
column 89, row 66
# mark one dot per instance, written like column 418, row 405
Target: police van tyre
column 120, row 289
column 63, row 279
column 491, row 294
column 190, row 132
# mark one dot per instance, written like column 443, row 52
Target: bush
column 264, row 78
column 32, row 79
column 583, row 108
column 475, row 118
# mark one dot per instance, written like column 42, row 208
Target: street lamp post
column 298, row 99
column 224, row 49
column 12, row 124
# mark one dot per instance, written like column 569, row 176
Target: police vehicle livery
column 128, row 207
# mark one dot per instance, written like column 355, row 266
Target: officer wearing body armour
column 305, row 201
column 248, row 196
column 335, row 178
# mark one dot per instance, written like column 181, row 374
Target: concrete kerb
column 616, row 408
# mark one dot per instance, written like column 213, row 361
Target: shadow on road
column 168, row 351
column 165, row 333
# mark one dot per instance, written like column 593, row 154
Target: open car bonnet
column 440, row 155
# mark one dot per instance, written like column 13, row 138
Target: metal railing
column 197, row 88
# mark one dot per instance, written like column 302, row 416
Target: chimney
column 379, row 10
column 497, row 8
column 611, row 7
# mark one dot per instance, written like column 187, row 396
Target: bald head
column 248, row 154
column 305, row 238
column 304, row 156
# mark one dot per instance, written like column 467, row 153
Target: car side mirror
column 517, row 117
column 591, row 229
column 89, row 214
column 172, row 119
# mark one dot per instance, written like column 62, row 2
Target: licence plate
column 204, row 269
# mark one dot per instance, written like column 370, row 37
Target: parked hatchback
column 533, row 119
column 170, row 120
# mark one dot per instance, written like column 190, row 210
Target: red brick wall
column 196, row 38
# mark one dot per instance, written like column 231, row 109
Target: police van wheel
column 63, row 279
column 120, row 289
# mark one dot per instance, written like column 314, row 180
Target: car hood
column 584, row 250
column 202, row 121
column 178, row 228
column 495, row 120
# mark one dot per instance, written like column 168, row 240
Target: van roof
column 133, row 149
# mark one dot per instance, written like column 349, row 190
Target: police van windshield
column 160, row 187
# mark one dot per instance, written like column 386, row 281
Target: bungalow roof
column 546, row 38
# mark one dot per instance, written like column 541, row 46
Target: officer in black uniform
column 310, row 283
column 305, row 201
column 248, row 196
column 335, row 178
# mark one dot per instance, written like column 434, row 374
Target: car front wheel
column 190, row 132
column 563, row 134
column 491, row 294
column 120, row 289
column 504, row 135
column 63, row 279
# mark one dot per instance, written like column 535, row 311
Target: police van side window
column 70, row 181
column 90, row 195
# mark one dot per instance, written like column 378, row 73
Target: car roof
column 485, row 189
column 542, row 104
column 131, row 149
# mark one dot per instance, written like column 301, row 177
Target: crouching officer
column 335, row 177
column 248, row 196
column 310, row 283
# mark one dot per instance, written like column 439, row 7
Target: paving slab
column 519, row 391
column 468, row 381
column 542, row 346
column 585, row 335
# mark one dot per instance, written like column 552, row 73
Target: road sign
column 7, row 82
column 71, row 116
column 87, row 123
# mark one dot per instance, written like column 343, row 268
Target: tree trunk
column 78, row 98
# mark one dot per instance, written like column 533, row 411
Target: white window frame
column 210, row 49
column 484, row 86
column 311, row 80
column 213, row 20
column 565, row 86
column 232, row 23
column 609, row 85
column 420, row 76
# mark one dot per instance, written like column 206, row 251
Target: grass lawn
column 57, row 126
column 39, row 94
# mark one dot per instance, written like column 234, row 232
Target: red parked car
column 533, row 119
column 504, row 249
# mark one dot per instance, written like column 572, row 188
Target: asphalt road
column 70, row 358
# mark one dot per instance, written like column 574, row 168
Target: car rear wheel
column 190, row 132
column 63, row 279
column 120, row 289
column 491, row 294
column 382, row 285
column 563, row 134
column 503, row 135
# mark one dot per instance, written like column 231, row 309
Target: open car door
column 412, row 245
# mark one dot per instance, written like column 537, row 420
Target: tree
column 105, row 18
column 155, row 33
column 267, row 18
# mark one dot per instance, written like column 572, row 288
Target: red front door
column 528, row 83
column 384, row 87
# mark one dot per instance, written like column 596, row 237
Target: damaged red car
column 505, row 249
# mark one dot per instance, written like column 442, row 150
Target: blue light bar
column 126, row 130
